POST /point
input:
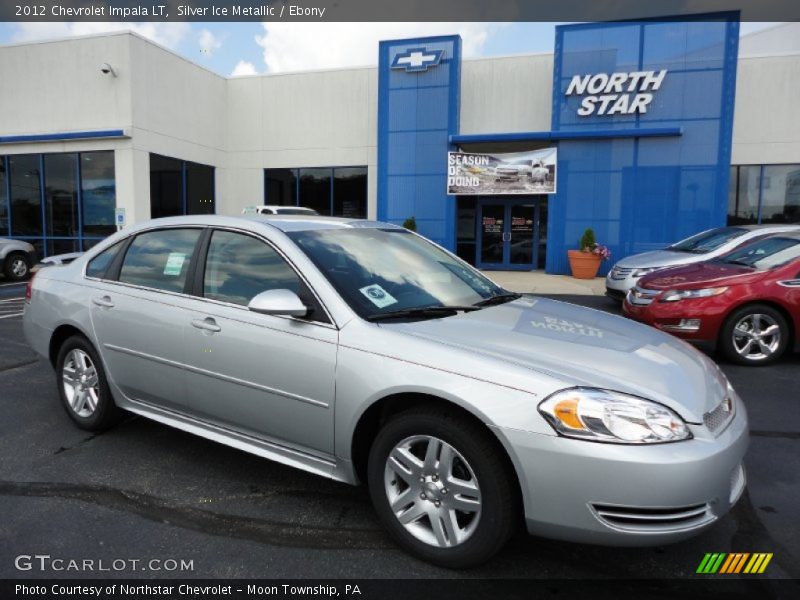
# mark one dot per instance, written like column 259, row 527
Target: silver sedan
column 362, row 352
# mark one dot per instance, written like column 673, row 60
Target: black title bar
column 386, row 10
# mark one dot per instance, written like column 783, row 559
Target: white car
column 698, row 248
column 278, row 210
column 16, row 258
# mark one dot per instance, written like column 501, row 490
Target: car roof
column 285, row 223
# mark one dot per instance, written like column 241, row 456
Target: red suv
column 746, row 303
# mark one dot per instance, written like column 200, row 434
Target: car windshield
column 707, row 241
column 378, row 271
column 765, row 254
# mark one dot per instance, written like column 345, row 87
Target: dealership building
column 652, row 131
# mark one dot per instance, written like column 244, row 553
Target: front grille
column 641, row 296
column 716, row 419
column 653, row 520
column 620, row 273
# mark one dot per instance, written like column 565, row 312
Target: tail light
column 29, row 288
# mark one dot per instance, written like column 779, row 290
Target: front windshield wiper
column 501, row 298
column 421, row 312
column 738, row 262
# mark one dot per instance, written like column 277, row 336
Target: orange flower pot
column 584, row 265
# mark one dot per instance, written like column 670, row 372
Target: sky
column 237, row 49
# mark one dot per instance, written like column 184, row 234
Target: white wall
column 313, row 119
column 509, row 94
column 766, row 129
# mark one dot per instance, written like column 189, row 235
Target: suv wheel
column 17, row 266
column 754, row 335
column 442, row 488
column 82, row 386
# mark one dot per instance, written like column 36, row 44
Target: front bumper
column 617, row 286
column 621, row 495
column 669, row 316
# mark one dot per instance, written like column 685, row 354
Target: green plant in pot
column 585, row 262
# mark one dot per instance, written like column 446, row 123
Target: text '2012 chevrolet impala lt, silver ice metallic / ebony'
column 362, row 352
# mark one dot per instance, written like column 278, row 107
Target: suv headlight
column 676, row 295
column 606, row 416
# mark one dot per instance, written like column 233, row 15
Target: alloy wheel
column 19, row 267
column 81, row 383
column 756, row 336
column 432, row 491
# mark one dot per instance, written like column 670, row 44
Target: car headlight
column 676, row 295
column 644, row 271
column 606, row 416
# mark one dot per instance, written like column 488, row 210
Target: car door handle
column 207, row 324
column 103, row 301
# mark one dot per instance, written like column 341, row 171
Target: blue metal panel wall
column 417, row 112
column 642, row 193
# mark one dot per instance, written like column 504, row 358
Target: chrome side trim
column 220, row 376
column 259, row 447
column 790, row 283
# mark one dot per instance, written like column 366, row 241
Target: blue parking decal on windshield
column 378, row 296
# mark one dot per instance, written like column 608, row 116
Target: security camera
column 106, row 68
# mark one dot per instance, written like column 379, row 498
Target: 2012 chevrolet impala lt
column 362, row 352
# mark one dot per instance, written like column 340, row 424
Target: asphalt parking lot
column 143, row 490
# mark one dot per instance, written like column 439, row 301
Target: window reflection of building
column 59, row 202
column 332, row 191
column 764, row 194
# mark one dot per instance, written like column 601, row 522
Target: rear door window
column 98, row 266
column 160, row 259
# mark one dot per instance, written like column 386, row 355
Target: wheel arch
column 61, row 334
column 371, row 420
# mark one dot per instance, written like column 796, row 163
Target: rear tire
column 82, row 386
column 452, row 486
column 754, row 335
column 17, row 266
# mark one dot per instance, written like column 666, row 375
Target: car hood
column 659, row 258
column 705, row 274
column 584, row 347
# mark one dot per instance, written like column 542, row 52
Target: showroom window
column 59, row 202
column 332, row 191
column 180, row 187
column 764, row 194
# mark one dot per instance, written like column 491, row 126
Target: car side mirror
column 278, row 302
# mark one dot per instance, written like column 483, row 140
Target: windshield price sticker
column 378, row 296
column 174, row 263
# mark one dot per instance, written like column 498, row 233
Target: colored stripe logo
column 734, row 562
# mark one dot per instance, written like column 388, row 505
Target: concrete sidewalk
column 541, row 283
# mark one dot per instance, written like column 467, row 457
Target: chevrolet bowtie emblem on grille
column 414, row 60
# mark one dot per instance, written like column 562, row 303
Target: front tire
column 17, row 266
column 82, row 386
column 754, row 335
column 442, row 487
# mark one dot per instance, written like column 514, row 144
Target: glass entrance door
column 510, row 234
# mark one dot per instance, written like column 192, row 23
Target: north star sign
column 417, row 59
column 615, row 93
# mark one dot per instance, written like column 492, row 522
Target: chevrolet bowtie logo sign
column 417, row 59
